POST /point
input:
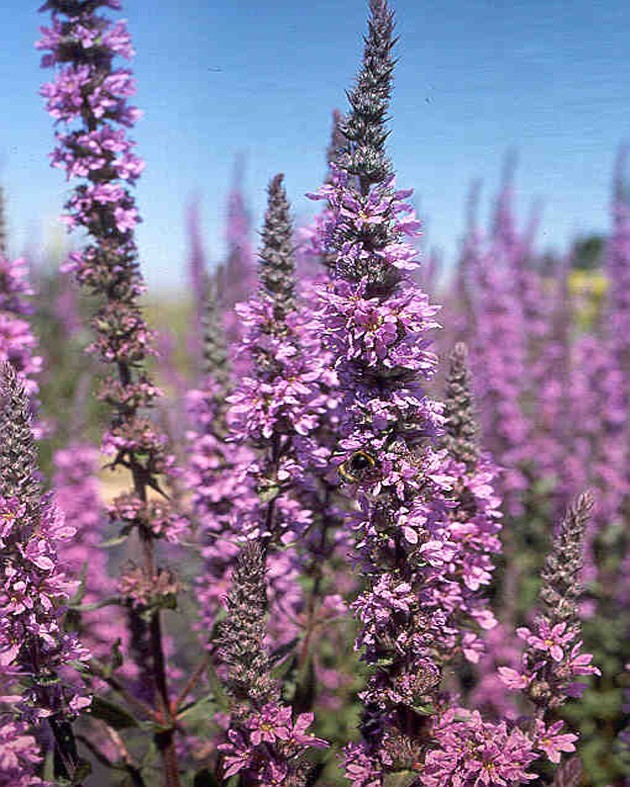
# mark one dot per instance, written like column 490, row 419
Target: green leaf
column 106, row 602
column 191, row 707
column 217, row 690
column 113, row 542
column 112, row 714
column 427, row 709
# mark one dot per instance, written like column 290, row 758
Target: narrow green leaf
column 115, row 715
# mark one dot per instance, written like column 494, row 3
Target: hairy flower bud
column 460, row 438
column 243, row 632
column 561, row 586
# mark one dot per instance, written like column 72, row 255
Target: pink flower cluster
column 19, row 755
column 34, row 590
column 18, row 345
column 270, row 740
column 552, row 660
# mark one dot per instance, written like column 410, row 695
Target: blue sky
column 219, row 79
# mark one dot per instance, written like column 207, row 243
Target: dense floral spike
column 216, row 362
column 89, row 102
column 279, row 408
column 241, row 485
column 474, row 515
column 508, row 318
column 460, row 427
column 553, row 656
column 276, row 267
column 364, row 126
column 18, row 454
column 561, row 574
column 35, row 653
column 618, row 271
column 499, row 367
column 222, row 493
column 377, row 323
column 338, row 141
column 264, row 742
column 243, row 633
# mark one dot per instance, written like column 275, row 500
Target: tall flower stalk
column 377, row 322
column 88, row 100
column 278, row 407
column 553, row 656
column 475, row 516
column 38, row 686
column 265, row 745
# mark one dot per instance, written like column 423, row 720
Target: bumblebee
column 355, row 469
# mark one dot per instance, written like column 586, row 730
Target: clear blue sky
column 475, row 78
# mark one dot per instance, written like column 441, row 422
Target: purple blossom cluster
column 266, row 731
column 18, row 345
column 40, row 663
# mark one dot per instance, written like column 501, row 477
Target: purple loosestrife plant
column 617, row 266
column 277, row 410
column 617, row 262
column 88, row 100
column 377, row 323
column 499, row 368
column 553, row 656
column 496, row 753
column 222, row 492
column 40, row 686
column 265, row 744
column 475, row 516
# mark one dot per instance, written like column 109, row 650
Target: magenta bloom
column 271, row 724
column 269, row 740
column 19, row 755
column 475, row 752
column 552, row 742
column 548, row 639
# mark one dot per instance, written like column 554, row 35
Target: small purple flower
column 552, row 742
column 547, row 638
